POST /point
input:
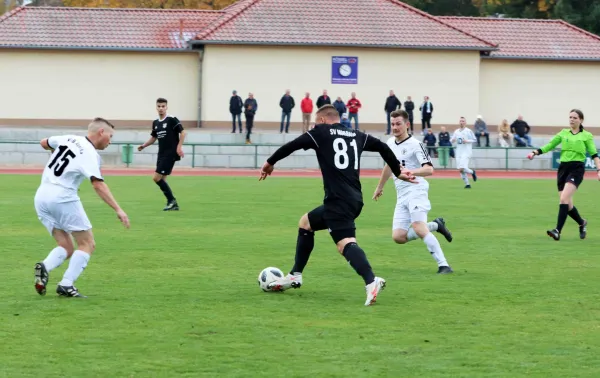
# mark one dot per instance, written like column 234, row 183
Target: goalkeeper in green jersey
column 575, row 142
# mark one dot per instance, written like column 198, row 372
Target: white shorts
column 66, row 216
column 411, row 209
column 462, row 162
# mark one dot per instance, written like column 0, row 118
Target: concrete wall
column 542, row 91
column 78, row 85
column 450, row 79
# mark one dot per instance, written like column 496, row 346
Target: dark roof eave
column 458, row 48
column 545, row 58
column 97, row 48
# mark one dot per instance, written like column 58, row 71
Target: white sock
column 432, row 226
column 77, row 264
column 469, row 171
column 55, row 258
column 411, row 235
column 465, row 178
column 433, row 245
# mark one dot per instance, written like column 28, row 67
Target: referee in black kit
column 170, row 134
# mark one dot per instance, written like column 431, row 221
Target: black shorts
column 165, row 164
column 337, row 217
column 572, row 172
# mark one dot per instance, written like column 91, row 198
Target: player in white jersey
column 73, row 160
column 412, row 204
column 464, row 139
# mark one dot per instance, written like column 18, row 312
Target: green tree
column 582, row 13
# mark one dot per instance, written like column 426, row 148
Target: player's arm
column 385, row 175
column 386, row 153
column 179, row 128
column 548, row 147
column 303, row 142
column 590, row 146
column 149, row 142
column 104, row 192
column 49, row 144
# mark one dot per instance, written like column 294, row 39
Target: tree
column 582, row 13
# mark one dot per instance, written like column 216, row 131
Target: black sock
column 304, row 246
column 573, row 213
column 563, row 212
column 358, row 260
column 166, row 189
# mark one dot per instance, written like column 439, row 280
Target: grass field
column 176, row 295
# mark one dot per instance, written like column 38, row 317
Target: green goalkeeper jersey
column 573, row 146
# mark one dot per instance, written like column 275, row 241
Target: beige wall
column 81, row 85
column 451, row 79
column 542, row 91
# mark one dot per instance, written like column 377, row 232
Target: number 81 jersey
column 74, row 159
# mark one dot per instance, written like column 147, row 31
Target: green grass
column 176, row 295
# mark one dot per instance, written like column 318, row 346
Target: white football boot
column 373, row 290
column 287, row 282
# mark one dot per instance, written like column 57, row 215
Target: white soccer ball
column 267, row 276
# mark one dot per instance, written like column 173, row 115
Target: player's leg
column 582, row 223
column 402, row 232
column 419, row 226
column 468, row 170
column 164, row 167
column 566, row 198
column 55, row 258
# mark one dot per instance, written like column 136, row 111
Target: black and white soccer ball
column 267, row 276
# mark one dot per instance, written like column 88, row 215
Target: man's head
column 324, row 92
column 391, row 93
column 234, row 93
column 287, row 92
column 462, row 122
column 307, row 95
column 161, row 106
column 429, row 131
column 409, row 98
column 353, row 94
column 426, row 98
column 327, row 114
column 443, row 128
column 100, row 132
column 399, row 121
column 520, row 117
column 251, row 95
column 339, row 98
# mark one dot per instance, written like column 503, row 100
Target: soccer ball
column 267, row 276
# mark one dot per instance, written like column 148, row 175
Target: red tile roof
column 64, row 27
column 385, row 23
column 532, row 39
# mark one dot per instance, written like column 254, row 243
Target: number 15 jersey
column 74, row 159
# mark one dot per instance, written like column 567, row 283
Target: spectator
column 429, row 141
column 391, row 103
column 444, row 140
column 505, row 138
column 307, row 108
column 353, row 106
column 340, row 106
column 520, row 130
column 345, row 121
column 409, row 106
column 481, row 130
column 235, row 108
column 250, row 107
column 426, row 109
column 286, row 103
column 323, row 99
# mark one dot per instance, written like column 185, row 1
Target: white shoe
column 373, row 290
column 287, row 282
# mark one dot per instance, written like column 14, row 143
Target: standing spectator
column 323, row 99
column 306, row 105
column 391, row 103
column 235, row 108
column 481, row 130
column 250, row 107
column 353, row 106
column 520, row 130
column 429, row 141
column 444, row 140
column 286, row 103
column 345, row 121
column 505, row 138
column 340, row 106
column 409, row 106
column 426, row 109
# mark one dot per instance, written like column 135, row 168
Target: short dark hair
column 399, row 113
column 161, row 100
column 328, row 111
column 100, row 119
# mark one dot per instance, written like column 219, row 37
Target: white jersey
column 412, row 154
column 463, row 149
column 74, row 159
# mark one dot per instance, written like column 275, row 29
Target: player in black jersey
column 170, row 134
column 338, row 151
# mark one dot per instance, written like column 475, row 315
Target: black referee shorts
column 337, row 217
column 572, row 172
column 165, row 164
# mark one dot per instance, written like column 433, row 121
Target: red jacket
column 353, row 105
column 306, row 105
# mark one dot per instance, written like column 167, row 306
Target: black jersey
column 167, row 132
column 338, row 151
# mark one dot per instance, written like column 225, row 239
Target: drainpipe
column 200, row 64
